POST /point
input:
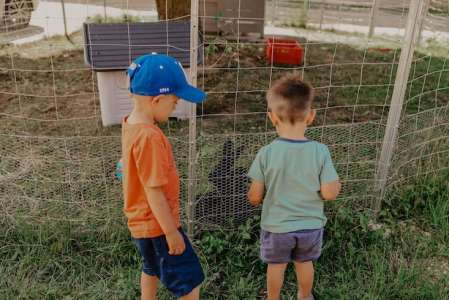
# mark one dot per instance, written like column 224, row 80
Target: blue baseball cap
column 156, row 74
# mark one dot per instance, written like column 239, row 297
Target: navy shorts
column 300, row 246
column 180, row 274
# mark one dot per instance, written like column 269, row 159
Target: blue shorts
column 180, row 274
column 300, row 246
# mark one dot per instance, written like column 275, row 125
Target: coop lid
column 113, row 46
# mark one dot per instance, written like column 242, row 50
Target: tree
column 171, row 9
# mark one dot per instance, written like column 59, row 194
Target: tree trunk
column 173, row 9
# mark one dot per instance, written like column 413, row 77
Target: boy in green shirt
column 293, row 176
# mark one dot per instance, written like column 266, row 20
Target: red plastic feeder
column 284, row 51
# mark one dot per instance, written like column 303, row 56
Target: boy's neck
column 292, row 132
column 139, row 117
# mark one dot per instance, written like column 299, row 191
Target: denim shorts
column 300, row 246
column 180, row 274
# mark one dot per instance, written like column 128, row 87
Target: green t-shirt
column 293, row 172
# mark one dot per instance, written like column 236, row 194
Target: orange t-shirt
column 147, row 161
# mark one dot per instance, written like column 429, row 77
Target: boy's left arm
column 256, row 193
column 330, row 183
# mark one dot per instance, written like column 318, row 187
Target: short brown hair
column 292, row 97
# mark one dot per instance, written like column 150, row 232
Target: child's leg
column 304, row 275
column 193, row 295
column 275, row 279
column 148, row 286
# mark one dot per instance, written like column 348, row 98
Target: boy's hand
column 175, row 241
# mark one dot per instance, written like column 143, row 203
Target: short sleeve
column 151, row 161
column 256, row 171
column 328, row 172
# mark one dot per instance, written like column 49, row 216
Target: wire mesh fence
column 57, row 160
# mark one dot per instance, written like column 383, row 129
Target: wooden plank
column 193, row 160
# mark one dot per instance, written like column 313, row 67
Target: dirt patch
column 57, row 94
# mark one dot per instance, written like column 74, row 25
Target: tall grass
column 392, row 261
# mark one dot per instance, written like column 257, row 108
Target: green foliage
column 211, row 49
column 218, row 16
column 55, row 260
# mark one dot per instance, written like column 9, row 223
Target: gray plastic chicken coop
column 110, row 48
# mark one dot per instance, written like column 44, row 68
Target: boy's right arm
column 256, row 173
column 151, row 162
column 161, row 211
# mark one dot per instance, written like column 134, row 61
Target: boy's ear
column 310, row 116
column 156, row 99
column 273, row 118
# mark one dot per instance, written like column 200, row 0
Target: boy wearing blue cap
column 150, row 179
column 292, row 175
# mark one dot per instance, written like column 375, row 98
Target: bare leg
column 193, row 295
column 275, row 279
column 148, row 286
column 304, row 275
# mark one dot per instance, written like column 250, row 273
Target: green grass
column 427, row 203
column 82, row 261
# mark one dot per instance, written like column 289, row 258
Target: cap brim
column 191, row 94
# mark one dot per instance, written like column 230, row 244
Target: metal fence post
column 304, row 14
column 373, row 13
column 64, row 18
column 322, row 8
column 423, row 16
column 190, row 209
column 414, row 23
column 105, row 16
